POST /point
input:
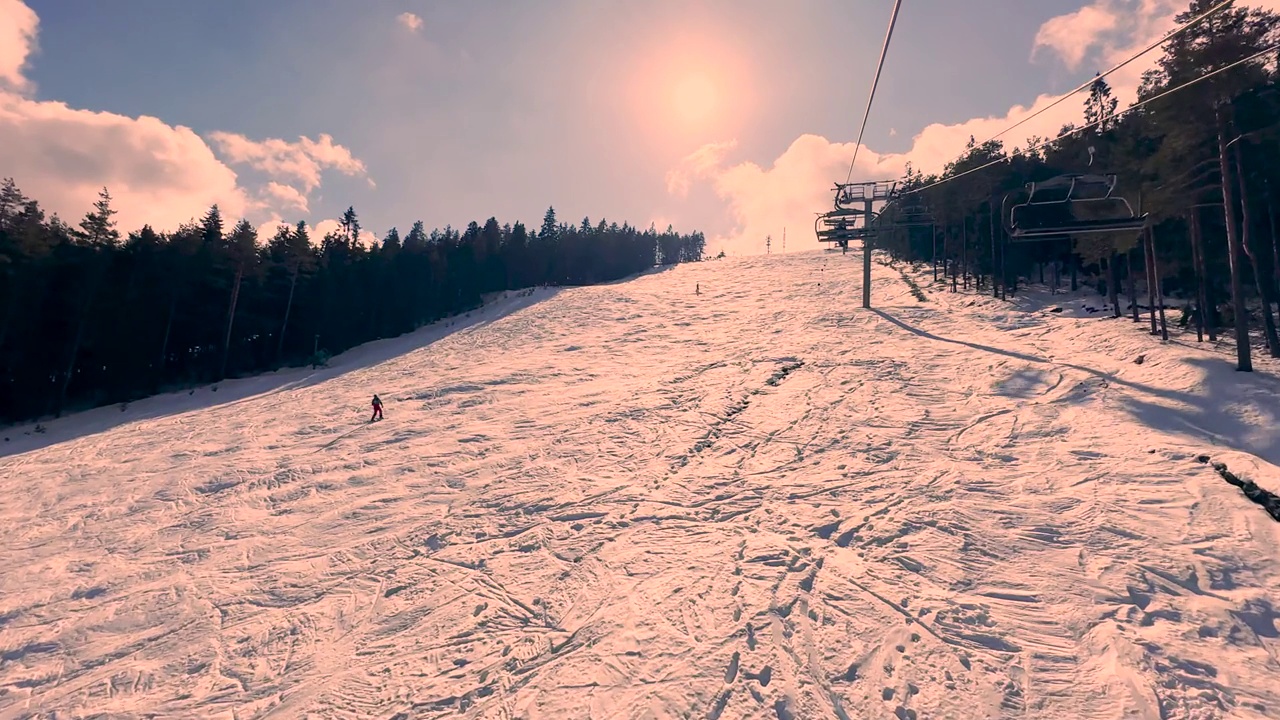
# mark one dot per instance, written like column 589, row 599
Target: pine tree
column 350, row 224
column 1100, row 106
column 391, row 241
column 97, row 227
column 549, row 226
column 211, row 226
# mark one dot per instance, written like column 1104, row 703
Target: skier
column 697, row 288
column 377, row 409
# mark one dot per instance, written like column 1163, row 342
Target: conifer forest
column 90, row 316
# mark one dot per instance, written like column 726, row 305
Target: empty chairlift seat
column 1070, row 205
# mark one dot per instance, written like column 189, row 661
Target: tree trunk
column 231, row 319
column 1159, row 288
column 1244, row 360
column 288, row 306
column 1010, row 278
column 866, row 257
column 1260, row 270
column 933, row 231
column 168, row 331
column 1113, row 289
column 1004, row 271
column 95, row 279
column 1075, row 270
column 11, row 309
column 1208, row 311
column 995, row 284
column 1133, row 285
column 955, row 276
column 1148, row 258
column 1199, row 274
column 1275, row 250
column 964, row 251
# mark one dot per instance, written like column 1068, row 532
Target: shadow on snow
column 1214, row 415
column 19, row 439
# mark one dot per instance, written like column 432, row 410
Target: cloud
column 763, row 201
column 410, row 21
column 798, row 184
column 698, row 163
column 1071, row 36
column 284, row 196
column 324, row 227
column 301, row 161
column 18, row 24
column 157, row 173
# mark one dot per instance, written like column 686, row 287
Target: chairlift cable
column 1094, row 124
column 884, row 49
column 1166, row 38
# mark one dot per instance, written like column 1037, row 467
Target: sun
column 697, row 91
column 695, row 99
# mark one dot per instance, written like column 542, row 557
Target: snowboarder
column 377, row 409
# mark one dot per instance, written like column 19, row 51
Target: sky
column 733, row 117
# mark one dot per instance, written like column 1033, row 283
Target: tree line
column 1203, row 162
column 88, row 317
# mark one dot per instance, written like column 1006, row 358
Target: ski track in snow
column 630, row 501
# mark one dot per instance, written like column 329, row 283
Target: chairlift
column 1073, row 204
column 853, row 196
column 909, row 211
column 850, row 219
column 840, row 227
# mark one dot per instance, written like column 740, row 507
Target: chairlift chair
column 909, row 213
column 853, row 196
column 1073, row 204
column 841, row 227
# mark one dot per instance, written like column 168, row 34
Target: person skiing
column 377, row 409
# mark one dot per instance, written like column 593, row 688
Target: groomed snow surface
column 631, row 501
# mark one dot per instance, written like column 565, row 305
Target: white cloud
column 157, row 173
column 1071, row 36
column 18, row 24
column 324, row 227
column 284, row 197
column 301, row 161
column 699, row 162
column 762, row 201
column 410, row 21
column 63, row 156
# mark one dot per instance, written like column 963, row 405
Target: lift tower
column 853, row 219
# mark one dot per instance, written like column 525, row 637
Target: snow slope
column 630, row 501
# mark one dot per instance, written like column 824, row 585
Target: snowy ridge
column 633, row 501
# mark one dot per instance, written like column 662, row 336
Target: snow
column 633, row 501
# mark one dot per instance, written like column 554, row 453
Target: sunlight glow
column 695, row 99
column 695, row 93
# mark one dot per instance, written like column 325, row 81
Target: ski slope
column 631, row 501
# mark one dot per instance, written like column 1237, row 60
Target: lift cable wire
column 884, row 49
column 1082, row 128
column 1167, row 37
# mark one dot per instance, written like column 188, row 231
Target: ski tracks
column 633, row 502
